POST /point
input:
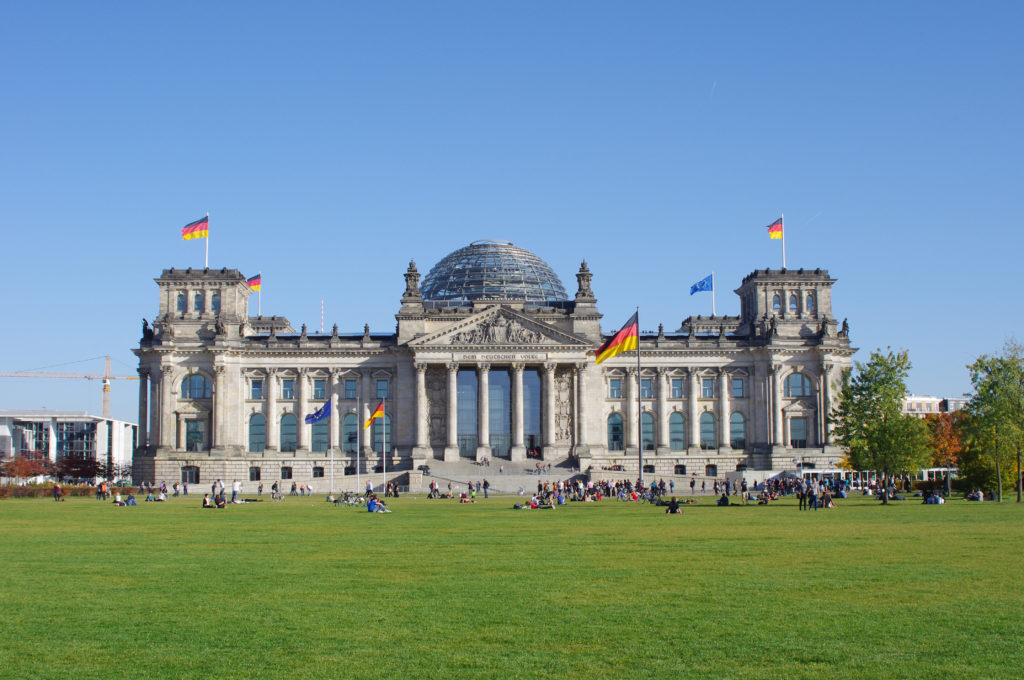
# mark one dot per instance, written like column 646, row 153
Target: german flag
column 255, row 282
column 775, row 229
column 378, row 413
column 624, row 340
column 198, row 229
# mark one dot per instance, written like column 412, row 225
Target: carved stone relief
column 437, row 404
column 564, row 402
column 497, row 331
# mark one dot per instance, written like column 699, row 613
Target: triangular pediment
column 498, row 327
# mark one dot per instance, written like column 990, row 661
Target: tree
column 995, row 414
column 869, row 420
column 946, row 440
column 26, row 465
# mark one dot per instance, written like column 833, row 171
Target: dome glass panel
column 493, row 270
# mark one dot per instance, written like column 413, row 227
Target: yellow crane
column 106, row 378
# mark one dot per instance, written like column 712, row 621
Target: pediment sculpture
column 497, row 331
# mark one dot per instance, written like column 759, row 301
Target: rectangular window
column 254, row 474
column 677, row 388
column 737, row 388
column 286, row 473
column 798, row 433
column 646, row 390
column 707, row 388
column 318, row 472
column 350, row 389
column 615, row 388
column 256, row 389
column 319, row 388
column 288, row 389
column 382, row 389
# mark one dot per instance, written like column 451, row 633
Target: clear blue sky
column 331, row 142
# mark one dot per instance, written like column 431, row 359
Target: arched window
column 676, row 432
column 198, row 302
column 798, row 385
column 182, row 302
column 257, row 433
column 793, row 304
column 708, row 440
column 382, row 434
column 615, row 432
column 350, row 433
column 647, row 431
column 318, row 442
column 289, row 440
column 195, row 386
column 810, row 303
column 777, row 303
column 215, row 302
column 737, row 431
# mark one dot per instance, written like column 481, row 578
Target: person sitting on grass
column 673, row 507
column 723, row 501
column 130, row 501
column 161, row 498
column 221, row 501
column 207, row 503
column 149, row 497
column 118, row 501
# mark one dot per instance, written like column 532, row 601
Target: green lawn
column 302, row 589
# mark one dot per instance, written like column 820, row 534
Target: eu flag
column 320, row 414
column 702, row 285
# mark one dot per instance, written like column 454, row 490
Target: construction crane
column 106, row 378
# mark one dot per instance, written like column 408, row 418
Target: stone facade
column 225, row 395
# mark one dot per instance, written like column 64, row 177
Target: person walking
column 487, row 485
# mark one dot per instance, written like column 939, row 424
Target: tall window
column 777, row 303
column 350, row 389
column 350, row 433
column 737, row 431
column 798, row 433
column 708, row 440
column 289, row 438
column 677, row 388
column 467, row 399
column 257, row 433
column 195, row 435
column 707, row 388
column 676, row 432
column 75, row 440
column 793, row 304
column 737, row 388
column 810, row 303
column 615, row 388
column 797, row 385
column 182, row 302
column 615, row 432
column 287, row 388
column 198, row 303
column 646, row 389
column 319, row 388
column 215, row 302
column 382, row 389
column 318, row 440
column 195, row 386
column 647, row 431
column 382, row 433
column 254, row 474
column 256, row 388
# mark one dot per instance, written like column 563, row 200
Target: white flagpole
column 259, row 297
column 783, row 240
column 713, row 294
column 384, row 442
column 206, row 258
column 359, row 445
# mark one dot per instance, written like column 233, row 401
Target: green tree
column 995, row 416
column 869, row 419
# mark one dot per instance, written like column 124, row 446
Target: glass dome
column 493, row 270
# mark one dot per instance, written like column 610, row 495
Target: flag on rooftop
column 623, row 341
column 198, row 229
column 775, row 229
column 707, row 283
column 255, row 282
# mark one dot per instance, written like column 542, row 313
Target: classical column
column 332, row 418
column 368, row 395
column 302, row 408
column 776, row 405
column 723, row 410
column 451, row 449
column 662, row 424
column 422, row 416
column 629, row 427
column 271, row 414
column 582, row 444
column 143, row 406
column 168, row 423
column 154, row 411
column 693, row 421
column 182, row 443
column 518, row 451
column 549, row 405
column 220, row 395
column 483, row 419
column 826, row 404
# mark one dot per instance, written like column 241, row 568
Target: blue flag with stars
column 702, row 285
column 320, row 414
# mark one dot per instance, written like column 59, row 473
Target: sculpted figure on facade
column 497, row 331
column 437, row 406
column 563, row 405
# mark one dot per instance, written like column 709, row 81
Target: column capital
column 271, row 372
column 662, row 371
column 631, row 370
column 143, row 371
column 483, row 367
column 220, row 369
column 581, row 366
column 550, row 366
column 334, row 372
column 302, row 371
column 167, row 371
column 518, row 368
column 420, row 367
column 453, row 367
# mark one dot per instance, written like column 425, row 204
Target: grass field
column 302, row 589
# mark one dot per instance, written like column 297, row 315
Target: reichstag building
column 491, row 358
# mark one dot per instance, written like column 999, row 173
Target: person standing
column 259, row 490
column 487, row 485
column 236, row 486
column 56, row 492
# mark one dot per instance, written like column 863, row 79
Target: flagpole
column 259, row 297
column 713, row 294
column 384, row 442
column 206, row 258
column 783, row 240
column 639, row 404
column 359, row 445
